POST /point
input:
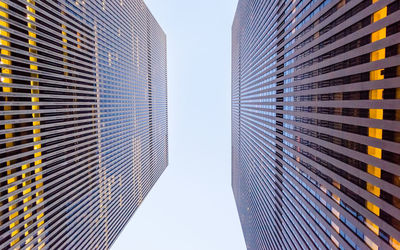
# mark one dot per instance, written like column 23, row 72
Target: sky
column 192, row 207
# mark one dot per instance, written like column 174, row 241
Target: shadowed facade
column 315, row 123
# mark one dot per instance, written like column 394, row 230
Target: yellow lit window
column 373, row 208
column 382, row 13
column 374, row 171
column 373, row 189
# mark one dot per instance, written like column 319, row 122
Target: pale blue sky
column 192, row 206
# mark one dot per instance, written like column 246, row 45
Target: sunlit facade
column 83, row 119
column 316, row 123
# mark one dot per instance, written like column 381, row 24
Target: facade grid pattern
column 316, row 123
column 83, row 119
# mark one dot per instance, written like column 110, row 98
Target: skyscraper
column 316, row 123
column 83, row 119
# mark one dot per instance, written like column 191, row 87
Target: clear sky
column 192, row 205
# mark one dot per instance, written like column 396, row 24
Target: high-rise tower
column 316, row 123
column 83, row 119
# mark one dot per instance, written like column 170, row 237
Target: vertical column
column 36, row 139
column 5, row 62
column 376, row 94
column 64, row 46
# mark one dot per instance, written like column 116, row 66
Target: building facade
column 83, row 119
column 316, row 123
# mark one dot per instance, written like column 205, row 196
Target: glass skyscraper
column 316, row 123
column 83, row 119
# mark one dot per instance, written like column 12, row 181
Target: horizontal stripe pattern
column 83, row 120
column 315, row 123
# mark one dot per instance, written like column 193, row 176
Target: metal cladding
column 83, row 119
column 316, row 123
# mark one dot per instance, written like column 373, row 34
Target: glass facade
column 316, row 123
column 83, row 119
